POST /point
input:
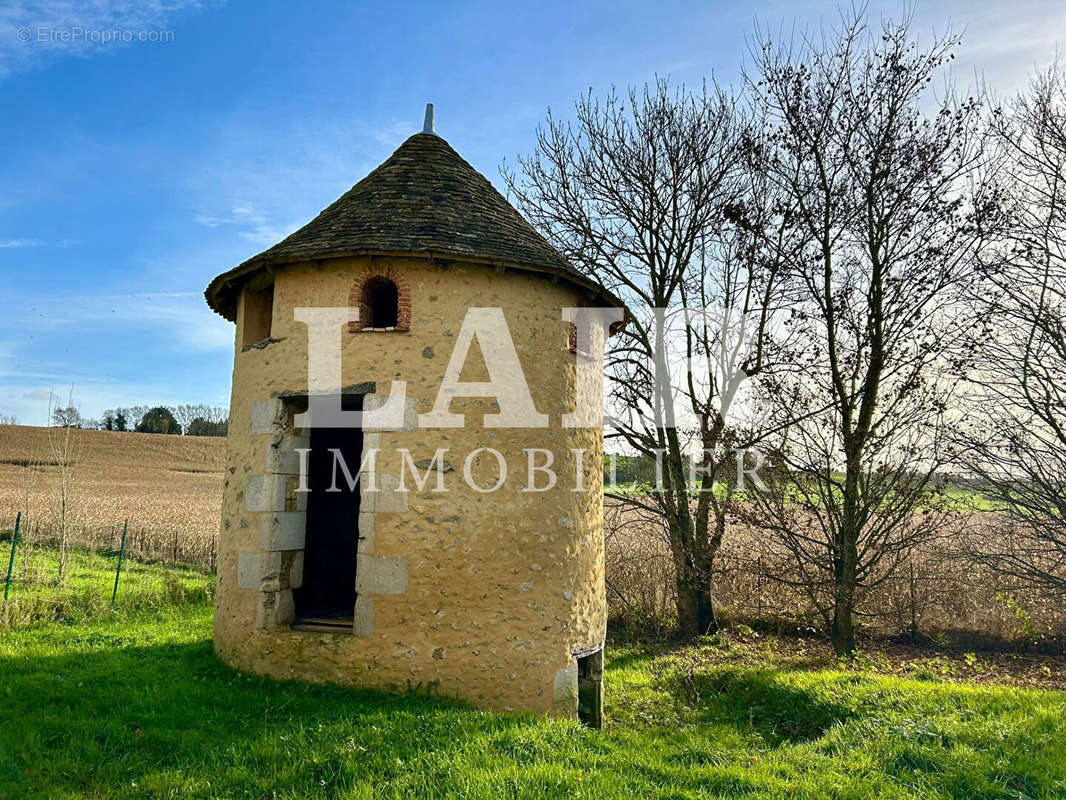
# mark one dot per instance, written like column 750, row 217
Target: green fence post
column 118, row 569
column 11, row 561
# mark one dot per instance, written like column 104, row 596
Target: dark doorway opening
column 590, row 689
column 326, row 598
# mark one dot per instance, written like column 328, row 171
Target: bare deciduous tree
column 202, row 420
column 64, row 443
column 883, row 212
column 65, row 417
column 1018, row 441
column 646, row 193
column 32, row 474
column 133, row 415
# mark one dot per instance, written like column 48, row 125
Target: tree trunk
column 695, row 603
column 708, row 622
column 688, row 608
column 842, row 629
column 708, row 617
column 695, row 570
column 62, row 558
column 63, row 541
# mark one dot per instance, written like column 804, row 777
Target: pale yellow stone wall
column 482, row 596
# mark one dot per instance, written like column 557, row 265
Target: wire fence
column 163, row 544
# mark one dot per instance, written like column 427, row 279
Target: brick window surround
column 572, row 329
column 357, row 298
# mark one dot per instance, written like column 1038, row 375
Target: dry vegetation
column 169, row 487
column 940, row 593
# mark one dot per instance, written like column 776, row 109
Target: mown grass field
column 132, row 703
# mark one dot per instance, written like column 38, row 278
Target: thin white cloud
column 180, row 318
column 38, row 395
column 37, row 31
column 1005, row 43
column 292, row 174
column 256, row 228
column 394, row 132
column 40, row 349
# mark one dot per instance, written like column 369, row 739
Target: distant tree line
column 188, row 420
column 639, row 471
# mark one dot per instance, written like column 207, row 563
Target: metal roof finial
column 427, row 127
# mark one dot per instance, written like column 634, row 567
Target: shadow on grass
column 621, row 655
column 172, row 720
column 757, row 700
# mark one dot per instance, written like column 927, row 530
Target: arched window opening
column 380, row 303
column 383, row 299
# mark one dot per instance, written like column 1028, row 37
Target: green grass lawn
column 133, row 703
column 36, row 594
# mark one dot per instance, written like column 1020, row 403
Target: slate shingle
column 424, row 199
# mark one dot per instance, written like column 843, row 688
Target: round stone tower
column 439, row 544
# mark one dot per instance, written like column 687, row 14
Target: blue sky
column 132, row 173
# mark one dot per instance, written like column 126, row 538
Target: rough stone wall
column 482, row 596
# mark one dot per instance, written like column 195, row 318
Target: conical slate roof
column 424, row 199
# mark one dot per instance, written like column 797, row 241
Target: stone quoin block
column 369, row 485
column 283, row 530
column 248, row 570
column 265, row 493
column 268, row 416
column 275, row 610
column 282, row 458
column 270, row 572
column 564, row 689
column 259, row 571
column 389, row 497
column 373, row 402
column 296, row 569
column 366, row 532
column 377, row 575
column 364, row 616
